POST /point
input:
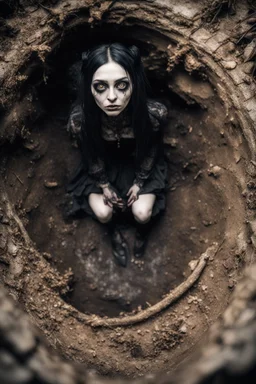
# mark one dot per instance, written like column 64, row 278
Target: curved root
column 169, row 299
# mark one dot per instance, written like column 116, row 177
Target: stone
column 183, row 328
column 229, row 64
column 192, row 264
column 215, row 171
column 248, row 67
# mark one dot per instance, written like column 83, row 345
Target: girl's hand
column 133, row 194
column 110, row 198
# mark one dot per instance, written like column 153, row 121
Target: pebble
column 172, row 141
column 183, row 328
column 229, row 64
column 192, row 264
column 214, row 171
column 51, row 184
column 248, row 67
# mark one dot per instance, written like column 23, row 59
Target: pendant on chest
column 118, row 139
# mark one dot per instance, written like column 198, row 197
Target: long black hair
column 129, row 58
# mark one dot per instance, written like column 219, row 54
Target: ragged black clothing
column 118, row 165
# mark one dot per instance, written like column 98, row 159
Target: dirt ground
column 38, row 172
column 207, row 155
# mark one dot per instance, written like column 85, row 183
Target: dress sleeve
column 96, row 167
column 158, row 116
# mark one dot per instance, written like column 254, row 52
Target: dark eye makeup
column 121, row 86
column 100, row 87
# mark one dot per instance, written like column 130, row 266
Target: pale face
column 112, row 88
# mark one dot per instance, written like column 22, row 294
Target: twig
column 18, row 178
column 170, row 298
column 245, row 33
column 12, row 215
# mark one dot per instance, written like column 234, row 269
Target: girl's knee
column 142, row 215
column 104, row 215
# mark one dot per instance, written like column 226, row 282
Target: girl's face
column 112, row 88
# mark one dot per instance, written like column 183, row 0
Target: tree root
column 13, row 216
column 169, row 299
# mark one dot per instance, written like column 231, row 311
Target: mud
column 208, row 144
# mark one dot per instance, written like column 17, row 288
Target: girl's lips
column 113, row 107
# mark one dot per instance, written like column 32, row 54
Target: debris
column 51, row 184
column 192, row 264
column 215, row 171
column 172, row 141
column 229, row 64
column 183, row 328
column 197, row 175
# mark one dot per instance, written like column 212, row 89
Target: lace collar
column 117, row 122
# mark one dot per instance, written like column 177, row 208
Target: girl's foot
column 120, row 248
column 140, row 244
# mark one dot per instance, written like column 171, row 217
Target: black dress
column 118, row 165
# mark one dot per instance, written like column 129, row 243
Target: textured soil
column 38, row 172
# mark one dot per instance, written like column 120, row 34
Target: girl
column 120, row 137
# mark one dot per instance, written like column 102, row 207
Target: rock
column 172, row 141
column 183, row 328
column 248, row 67
column 192, row 264
column 231, row 283
column 230, row 47
column 215, row 171
column 31, row 145
column 229, row 64
column 207, row 223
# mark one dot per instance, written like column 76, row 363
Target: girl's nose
column 111, row 96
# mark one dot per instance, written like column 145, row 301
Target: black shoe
column 120, row 248
column 140, row 244
column 141, row 238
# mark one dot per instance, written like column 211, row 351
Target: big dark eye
column 123, row 85
column 99, row 87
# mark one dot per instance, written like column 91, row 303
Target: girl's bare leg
column 103, row 212
column 142, row 211
column 142, row 208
